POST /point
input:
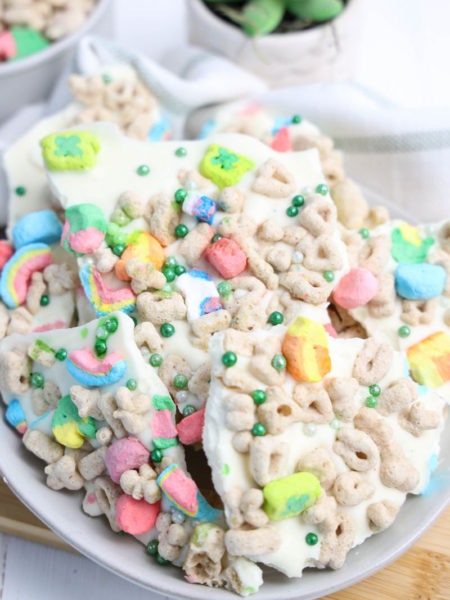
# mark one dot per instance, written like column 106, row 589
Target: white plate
column 124, row 556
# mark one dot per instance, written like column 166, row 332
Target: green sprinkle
column 296, row 119
column 170, row 261
column 180, row 151
column 226, row 469
column 216, row 237
column 189, row 409
column 180, row 195
column 100, row 347
column 118, row 249
column 61, row 354
column 259, row 396
column 328, row 276
column 161, row 561
column 276, row 318
column 44, row 300
column 258, row 429
column 180, row 381
column 152, row 547
column 404, row 331
column 106, row 78
column 20, row 190
column 371, row 402
column 278, row 362
column 167, row 330
column 131, row 384
column 156, row 455
column 322, row 189
column 292, row 211
column 311, row 539
column 298, row 201
column 180, row 269
column 36, row 380
column 84, row 332
column 181, row 230
column 169, row 274
column 364, row 233
column 111, row 324
column 224, row 288
column 155, row 360
column 143, row 170
column 374, row 390
column 229, row 359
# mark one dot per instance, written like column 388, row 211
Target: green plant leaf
column 315, row 10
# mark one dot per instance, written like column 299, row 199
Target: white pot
column 31, row 79
column 323, row 53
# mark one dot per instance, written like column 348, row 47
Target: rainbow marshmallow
column 305, row 347
column 102, row 299
column 429, row 360
column 16, row 417
column 86, row 368
column 16, row 274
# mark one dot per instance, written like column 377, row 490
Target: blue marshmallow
column 41, row 226
column 420, row 281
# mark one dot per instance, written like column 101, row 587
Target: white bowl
column 31, row 79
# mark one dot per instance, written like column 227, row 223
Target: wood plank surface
column 423, row 573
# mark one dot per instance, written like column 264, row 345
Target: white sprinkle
column 335, row 424
column 177, row 516
column 308, row 190
column 297, row 257
column 309, row 429
column 182, row 396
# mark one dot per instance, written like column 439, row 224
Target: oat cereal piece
column 132, row 410
column 320, row 463
column 41, row 353
column 144, row 276
column 63, row 474
column 373, row 362
column 93, row 464
column 172, row 366
column 319, row 216
column 322, row 513
column 271, row 231
column 107, row 494
column 108, row 406
column 356, row 449
column 204, row 556
column 377, row 216
column 274, row 180
column 352, row 207
column 171, row 537
column 195, row 243
column 397, row 397
column 105, row 260
column 278, row 412
column 253, row 542
column 375, row 253
column 14, row 371
column 42, row 446
column 343, row 395
column 240, row 412
column 60, row 278
column 35, row 291
column 199, row 382
column 337, row 542
column 419, row 419
column 21, row 321
column 238, row 341
column 396, row 471
column 279, row 257
column 314, row 403
column 352, row 488
column 268, row 459
column 306, row 285
column 381, row 514
column 86, row 401
column 383, row 303
column 157, row 310
column 418, row 312
column 104, row 435
column 162, row 218
column 4, row 320
column 211, row 323
column 320, row 253
column 141, row 484
column 145, row 334
column 231, row 199
column 45, row 398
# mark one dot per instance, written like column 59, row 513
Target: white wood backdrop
column 405, row 58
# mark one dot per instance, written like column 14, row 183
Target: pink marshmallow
column 330, row 330
column 8, row 48
column 126, row 453
column 282, row 141
column 190, row 428
column 162, row 425
column 227, row 257
column 5, row 253
column 136, row 516
column 356, row 288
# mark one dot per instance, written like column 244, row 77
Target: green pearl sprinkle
column 371, row 402
column 404, row 331
column 155, row 360
column 216, row 237
column 131, row 384
column 44, row 300
column 276, row 318
column 311, row 539
column 180, row 151
column 180, row 196
column 161, row 561
column 156, row 455
column 180, row 381
column 169, row 274
column 229, row 359
column 167, row 330
column 278, row 362
column 100, row 347
column 292, row 211
column 224, row 288
column 328, row 276
column 21, row 190
column 298, row 201
column 189, row 409
column 111, row 324
column 36, row 380
column 152, row 547
column 180, row 269
column 364, row 233
column 322, row 189
column 170, row 261
column 258, row 429
column 259, row 396
column 143, row 170
column 61, row 354
column 106, row 78
column 374, row 390
column 296, row 119
column 181, row 230
column 118, row 249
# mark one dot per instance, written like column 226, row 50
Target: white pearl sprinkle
column 309, row 429
column 182, row 396
column 191, row 185
column 177, row 516
column 297, row 257
column 335, row 423
column 308, row 190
